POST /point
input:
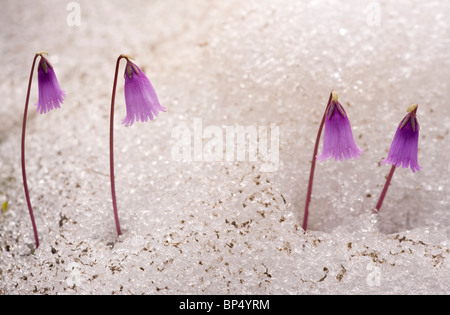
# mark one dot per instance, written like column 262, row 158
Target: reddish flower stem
column 313, row 167
column 383, row 193
column 24, row 173
column 111, row 148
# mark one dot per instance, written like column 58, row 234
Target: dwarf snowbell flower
column 142, row 105
column 50, row 97
column 404, row 148
column 338, row 142
column 140, row 97
column 50, row 94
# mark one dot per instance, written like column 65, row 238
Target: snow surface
column 226, row 227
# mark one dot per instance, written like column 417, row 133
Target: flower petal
column 140, row 97
column 50, row 94
column 338, row 142
column 404, row 147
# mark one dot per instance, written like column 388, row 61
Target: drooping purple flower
column 140, row 97
column 404, row 147
column 50, row 94
column 338, row 142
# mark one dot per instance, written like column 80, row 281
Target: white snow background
column 226, row 226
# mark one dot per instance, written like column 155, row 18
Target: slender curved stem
column 24, row 173
column 383, row 193
column 313, row 167
column 111, row 148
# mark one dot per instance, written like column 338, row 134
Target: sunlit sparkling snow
column 226, row 227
